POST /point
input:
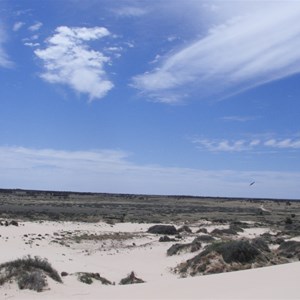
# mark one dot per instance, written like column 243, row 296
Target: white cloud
column 225, row 145
column 252, row 47
column 34, row 37
column 172, row 38
column 239, row 118
column 112, row 171
column 68, row 60
column 254, row 143
column 18, row 25
column 222, row 145
column 19, row 13
column 30, row 44
column 4, row 60
column 130, row 11
column 283, row 143
column 129, row 44
column 36, row 26
column 114, row 49
column 31, row 41
column 270, row 143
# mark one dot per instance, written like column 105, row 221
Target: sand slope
column 114, row 257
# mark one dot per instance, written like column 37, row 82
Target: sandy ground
column 116, row 250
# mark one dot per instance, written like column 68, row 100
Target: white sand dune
column 140, row 252
column 277, row 282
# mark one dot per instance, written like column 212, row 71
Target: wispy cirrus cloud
column 283, row 143
column 36, row 26
column 31, row 41
column 240, row 118
column 250, row 48
column 67, row 59
column 18, row 25
column 113, row 171
column 4, row 59
column 130, row 11
column 31, row 44
column 223, row 145
column 241, row 145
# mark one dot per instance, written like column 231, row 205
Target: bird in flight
column 251, row 183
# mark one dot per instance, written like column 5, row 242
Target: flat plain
column 93, row 207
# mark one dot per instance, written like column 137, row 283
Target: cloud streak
column 242, row 145
column 249, row 49
column 36, row 26
column 18, row 25
column 240, row 118
column 4, row 60
column 112, row 171
column 130, row 11
column 68, row 60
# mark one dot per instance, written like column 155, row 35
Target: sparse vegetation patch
column 118, row 236
column 131, row 279
column 29, row 273
column 87, row 278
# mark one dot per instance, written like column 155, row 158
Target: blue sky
column 157, row 97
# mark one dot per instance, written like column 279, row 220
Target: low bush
column 288, row 220
column 183, row 248
column 163, row 229
column 290, row 249
column 28, row 272
column 35, row 280
column 87, row 277
column 224, row 256
column 165, row 238
column 131, row 279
